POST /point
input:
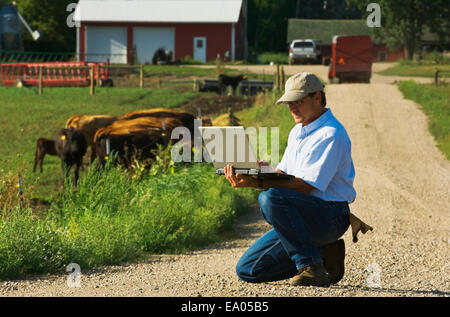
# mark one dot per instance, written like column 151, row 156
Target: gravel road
column 403, row 185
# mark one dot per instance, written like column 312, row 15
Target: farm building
column 120, row 30
column 323, row 31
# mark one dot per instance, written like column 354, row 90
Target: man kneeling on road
column 309, row 213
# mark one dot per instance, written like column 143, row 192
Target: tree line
column 402, row 21
column 50, row 17
column 268, row 19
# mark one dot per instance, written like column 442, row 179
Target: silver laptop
column 231, row 145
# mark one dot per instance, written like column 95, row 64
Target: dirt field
column 403, row 185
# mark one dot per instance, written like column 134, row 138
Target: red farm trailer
column 54, row 74
column 351, row 59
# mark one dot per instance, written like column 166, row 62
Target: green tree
column 268, row 19
column 48, row 16
column 403, row 22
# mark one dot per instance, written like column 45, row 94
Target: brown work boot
column 313, row 275
column 333, row 255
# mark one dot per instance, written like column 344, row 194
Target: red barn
column 119, row 29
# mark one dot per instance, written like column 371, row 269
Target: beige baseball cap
column 299, row 85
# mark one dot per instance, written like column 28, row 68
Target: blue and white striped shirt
column 320, row 154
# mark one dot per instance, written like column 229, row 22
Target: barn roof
column 174, row 11
column 324, row 30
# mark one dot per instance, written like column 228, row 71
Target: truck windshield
column 302, row 44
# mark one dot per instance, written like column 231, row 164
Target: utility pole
column 297, row 10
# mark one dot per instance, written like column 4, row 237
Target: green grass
column 26, row 116
column 188, row 71
column 281, row 58
column 178, row 71
column 435, row 103
column 266, row 114
column 113, row 218
column 181, row 72
column 416, row 70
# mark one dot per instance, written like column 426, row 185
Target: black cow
column 71, row 146
column 233, row 81
column 162, row 56
column 43, row 146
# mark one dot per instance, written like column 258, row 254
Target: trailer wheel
column 334, row 80
column 319, row 60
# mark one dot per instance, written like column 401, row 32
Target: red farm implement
column 54, row 74
column 351, row 59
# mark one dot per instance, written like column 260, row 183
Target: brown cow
column 141, row 133
column 142, row 123
column 88, row 125
column 43, row 146
column 185, row 117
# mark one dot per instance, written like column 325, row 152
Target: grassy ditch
column 114, row 217
column 435, row 103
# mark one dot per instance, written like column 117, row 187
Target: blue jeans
column 301, row 225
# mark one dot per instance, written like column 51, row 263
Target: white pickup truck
column 304, row 51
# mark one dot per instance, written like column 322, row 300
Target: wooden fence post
column 275, row 86
column 91, row 73
column 436, row 77
column 282, row 81
column 97, row 76
column 219, row 68
column 195, row 86
column 277, row 78
column 40, row 81
column 141, row 76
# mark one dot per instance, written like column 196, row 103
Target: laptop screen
column 229, row 145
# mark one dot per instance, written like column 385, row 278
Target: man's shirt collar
column 320, row 121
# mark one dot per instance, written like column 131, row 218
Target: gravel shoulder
column 403, row 185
